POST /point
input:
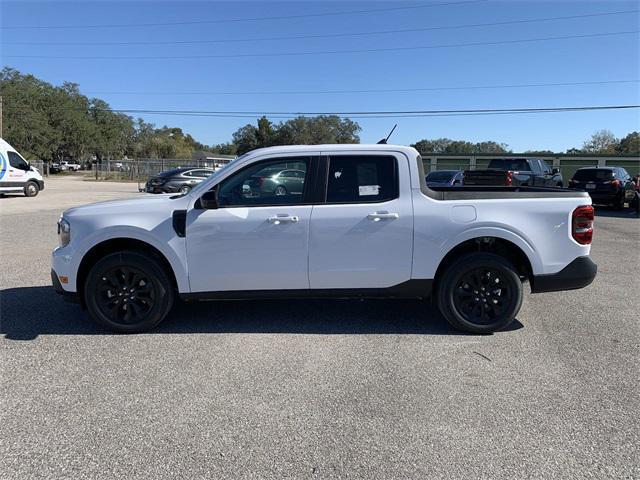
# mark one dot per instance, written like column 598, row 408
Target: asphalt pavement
column 314, row 389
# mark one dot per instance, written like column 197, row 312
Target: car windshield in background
column 514, row 164
column 441, row 176
column 596, row 174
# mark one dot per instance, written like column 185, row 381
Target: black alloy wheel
column 482, row 295
column 479, row 292
column 129, row 291
column 125, row 295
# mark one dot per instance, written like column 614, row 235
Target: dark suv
column 177, row 180
column 606, row 185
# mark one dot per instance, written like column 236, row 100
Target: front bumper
column 57, row 286
column 578, row 274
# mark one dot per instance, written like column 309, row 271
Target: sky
column 241, row 67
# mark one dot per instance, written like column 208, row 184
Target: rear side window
column 362, row 179
column 593, row 174
column 514, row 164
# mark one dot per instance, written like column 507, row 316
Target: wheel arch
column 112, row 245
column 488, row 244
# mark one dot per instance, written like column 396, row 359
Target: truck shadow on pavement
column 26, row 313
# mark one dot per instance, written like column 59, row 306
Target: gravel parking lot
column 314, row 389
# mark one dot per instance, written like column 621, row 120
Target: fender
column 498, row 231
column 173, row 249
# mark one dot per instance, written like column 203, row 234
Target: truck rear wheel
column 480, row 293
column 128, row 292
column 31, row 189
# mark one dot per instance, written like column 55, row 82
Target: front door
column 16, row 173
column 257, row 238
column 362, row 236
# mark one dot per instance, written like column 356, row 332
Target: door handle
column 377, row 216
column 283, row 218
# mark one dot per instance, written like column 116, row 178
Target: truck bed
column 474, row 192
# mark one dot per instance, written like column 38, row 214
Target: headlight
column 64, row 232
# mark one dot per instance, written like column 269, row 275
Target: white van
column 16, row 175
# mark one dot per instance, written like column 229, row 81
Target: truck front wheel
column 128, row 292
column 31, row 189
column 480, row 293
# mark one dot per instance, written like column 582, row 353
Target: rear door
column 361, row 236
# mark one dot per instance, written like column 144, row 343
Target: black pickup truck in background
column 515, row 172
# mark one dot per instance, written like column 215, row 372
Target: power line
column 327, row 52
column 376, row 114
column 331, row 35
column 249, row 19
column 382, row 90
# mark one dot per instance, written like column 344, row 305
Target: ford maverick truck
column 350, row 221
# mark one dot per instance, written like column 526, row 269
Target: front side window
column 16, row 161
column 264, row 184
column 362, row 179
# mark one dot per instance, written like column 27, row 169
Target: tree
column 539, row 152
column 629, row 144
column 602, row 141
column 446, row 145
column 297, row 131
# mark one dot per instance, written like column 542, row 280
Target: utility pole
column 0, row 116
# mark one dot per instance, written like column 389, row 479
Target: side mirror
column 555, row 171
column 209, row 201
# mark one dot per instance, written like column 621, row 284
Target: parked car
column 16, row 174
column 516, row 172
column 55, row 168
column 177, row 180
column 69, row 166
column 278, row 182
column 605, row 185
column 366, row 225
column 444, row 178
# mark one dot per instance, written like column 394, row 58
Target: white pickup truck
column 325, row 221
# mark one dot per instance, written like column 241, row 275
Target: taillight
column 582, row 224
column 508, row 181
column 616, row 183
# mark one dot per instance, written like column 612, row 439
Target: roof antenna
column 384, row 140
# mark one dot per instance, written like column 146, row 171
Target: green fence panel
column 631, row 165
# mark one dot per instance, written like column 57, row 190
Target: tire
column 185, row 189
column 31, row 189
column 128, row 292
column 280, row 190
column 560, row 185
column 619, row 202
column 490, row 310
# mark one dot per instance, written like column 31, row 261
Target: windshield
column 441, row 176
column 593, row 174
